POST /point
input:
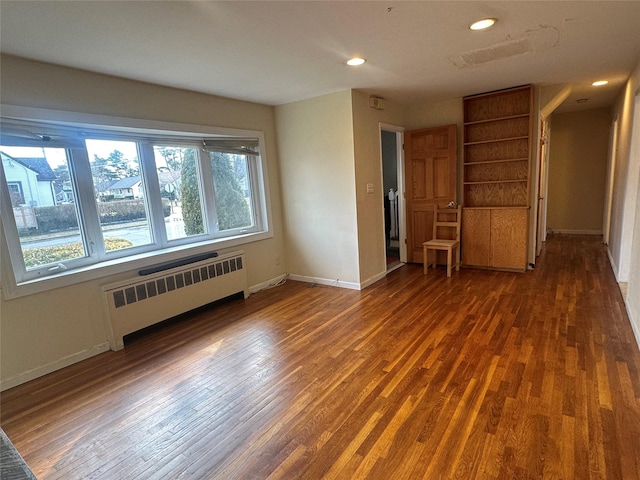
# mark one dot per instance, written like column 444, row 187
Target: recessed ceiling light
column 355, row 61
column 482, row 24
column 599, row 83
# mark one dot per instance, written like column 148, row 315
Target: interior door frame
column 402, row 220
column 543, row 186
column 611, row 171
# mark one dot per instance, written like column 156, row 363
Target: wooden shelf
column 510, row 103
column 497, row 119
column 489, row 182
column 513, row 207
column 523, row 137
column 506, row 160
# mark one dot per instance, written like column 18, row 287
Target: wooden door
column 430, row 178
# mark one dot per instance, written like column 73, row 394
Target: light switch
column 369, row 187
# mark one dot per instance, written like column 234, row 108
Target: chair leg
column 458, row 258
column 425, row 259
column 449, row 261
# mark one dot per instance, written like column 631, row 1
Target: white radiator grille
column 149, row 299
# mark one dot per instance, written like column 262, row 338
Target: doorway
column 393, row 195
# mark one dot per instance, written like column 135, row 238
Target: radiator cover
column 145, row 300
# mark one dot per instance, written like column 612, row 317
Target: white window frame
column 16, row 281
column 20, row 190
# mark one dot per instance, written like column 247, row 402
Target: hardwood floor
column 486, row 375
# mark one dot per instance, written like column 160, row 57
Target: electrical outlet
column 277, row 259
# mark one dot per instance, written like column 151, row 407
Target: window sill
column 105, row 270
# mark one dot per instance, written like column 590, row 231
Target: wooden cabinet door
column 509, row 228
column 495, row 237
column 476, row 237
column 430, row 178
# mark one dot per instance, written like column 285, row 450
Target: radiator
column 149, row 299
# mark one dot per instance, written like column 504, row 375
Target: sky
column 57, row 156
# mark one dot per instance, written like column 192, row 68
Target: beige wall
column 578, row 150
column 434, row 114
column 330, row 151
column 315, row 139
column 45, row 331
column 368, row 169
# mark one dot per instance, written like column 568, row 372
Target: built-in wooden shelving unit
column 496, row 169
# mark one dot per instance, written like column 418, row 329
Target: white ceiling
column 278, row 52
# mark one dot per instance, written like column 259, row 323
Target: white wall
column 45, row 194
column 624, row 240
column 46, row 331
column 315, row 140
column 633, row 288
column 624, row 183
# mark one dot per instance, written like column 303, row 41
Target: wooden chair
column 448, row 245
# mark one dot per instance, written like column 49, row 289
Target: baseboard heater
column 169, row 290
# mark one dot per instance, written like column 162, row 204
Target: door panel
column 423, row 227
column 476, row 237
column 419, row 169
column 441, row 181
column 509, row 233
column 430, row 169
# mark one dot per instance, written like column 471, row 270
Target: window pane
column 232, row 189
column 119, row 192
column 180, row 190
column 43, row 202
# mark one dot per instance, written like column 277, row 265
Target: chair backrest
column 447, row 217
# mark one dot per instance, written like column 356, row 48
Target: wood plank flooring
column 486, row 375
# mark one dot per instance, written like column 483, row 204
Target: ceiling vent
column 538, row 40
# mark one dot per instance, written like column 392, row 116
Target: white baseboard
column 374, row 279
column 53, row 366
column 268, row 284
column 326, row 281
column 635, row 324
column 613, row 264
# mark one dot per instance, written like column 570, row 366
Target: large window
column 75, row 197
